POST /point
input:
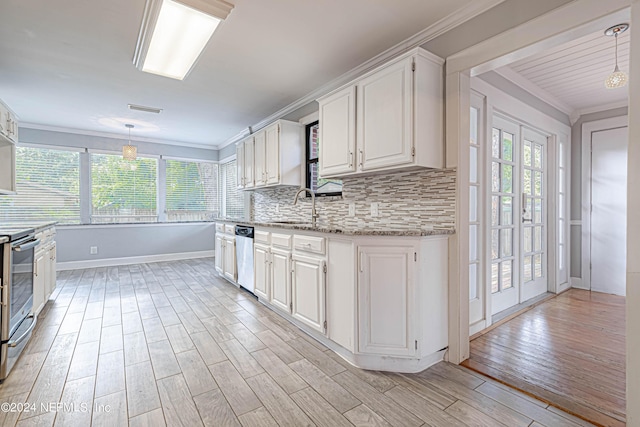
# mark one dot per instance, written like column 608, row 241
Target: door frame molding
column 588, row 129
column 567, row 22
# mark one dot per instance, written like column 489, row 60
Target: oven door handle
column 14, row 343
column 27, row 246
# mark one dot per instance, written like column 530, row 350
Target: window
column 322, row 187
column 48, row 187
column 191, row 191
column 123, row 191
column 232, row 199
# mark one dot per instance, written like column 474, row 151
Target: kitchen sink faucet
column 314, row 214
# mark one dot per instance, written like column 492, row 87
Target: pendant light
column 129, row 152
column 617, row 78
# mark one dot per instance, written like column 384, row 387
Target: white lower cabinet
column 261, row 270
column 44, row 269
column 219, row 254
column 386, row 284
column 379, row 302
column 225, row 255
column 230, row 268
column 281, row 279
column 308, row 291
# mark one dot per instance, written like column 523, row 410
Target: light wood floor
column 568, row 351
column 172, row 343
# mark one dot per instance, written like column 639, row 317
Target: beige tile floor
column 173, row 344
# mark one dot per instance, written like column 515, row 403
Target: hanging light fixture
column 129, row 152
column 617, row 78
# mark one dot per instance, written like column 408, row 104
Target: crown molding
column 460, row 16
column 113, row 135
column 535, row 90
column 604, row 107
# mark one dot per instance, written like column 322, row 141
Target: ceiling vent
column 145, row 109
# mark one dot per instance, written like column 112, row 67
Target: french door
column 518, row 216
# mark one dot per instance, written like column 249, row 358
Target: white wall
column 144, row 242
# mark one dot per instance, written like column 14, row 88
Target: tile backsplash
column 406, row 200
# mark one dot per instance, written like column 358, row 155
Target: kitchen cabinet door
column 385, row 299
column 272, row 135
column 50, row 285
column 308, row 291
column 260, row 159
column 248, row 163
column 39, row 280
column 337, row 119
column 280, row 279
column 219, row 256
column 240, row 165
column 261, row 270
column 385, row 117
column 229, row 262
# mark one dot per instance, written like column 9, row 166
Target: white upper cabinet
column 337, row 120
column 272, row 156
column 389, row 119
column 260, row 159
column 248, row 163
column 8, row 138
column 385, row 117
column 240, row 164
column 244, row 163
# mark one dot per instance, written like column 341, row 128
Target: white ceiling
column 68, row 63
column 573, row 74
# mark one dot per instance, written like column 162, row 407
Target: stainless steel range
column 16, row 294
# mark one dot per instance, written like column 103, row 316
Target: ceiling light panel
column 174, row 34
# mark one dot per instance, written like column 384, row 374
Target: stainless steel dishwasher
column 244, row 256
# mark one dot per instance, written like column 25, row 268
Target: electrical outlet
column 352, row 209
column 277, row 207
column 93, row 250
column 375, row 209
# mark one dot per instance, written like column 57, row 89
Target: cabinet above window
column 389, row 119
column 270, row 157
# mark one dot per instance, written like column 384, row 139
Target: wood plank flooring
column 174, row 344
column 568, row 351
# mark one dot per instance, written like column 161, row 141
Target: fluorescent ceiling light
column 174, row 33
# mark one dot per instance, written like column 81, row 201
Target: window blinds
column 233, row 199
column 191, row 191
column 123, row 191
column 48, row 187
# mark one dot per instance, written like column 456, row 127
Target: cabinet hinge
column 325, row 325
column 324, row 268
column 413, row 151
column 416, row 344
column 413, row 65
column 291, row 305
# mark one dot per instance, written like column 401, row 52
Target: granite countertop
column 346, row 232
column 37, row 225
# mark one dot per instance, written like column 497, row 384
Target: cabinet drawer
column 281, row 240
column 230, row 229
column 220, row 227
column 309, row 244
column 261, row 236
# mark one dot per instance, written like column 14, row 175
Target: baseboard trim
column 110, row 262
column 576, row 282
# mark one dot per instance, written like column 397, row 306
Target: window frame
column 309, row 161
